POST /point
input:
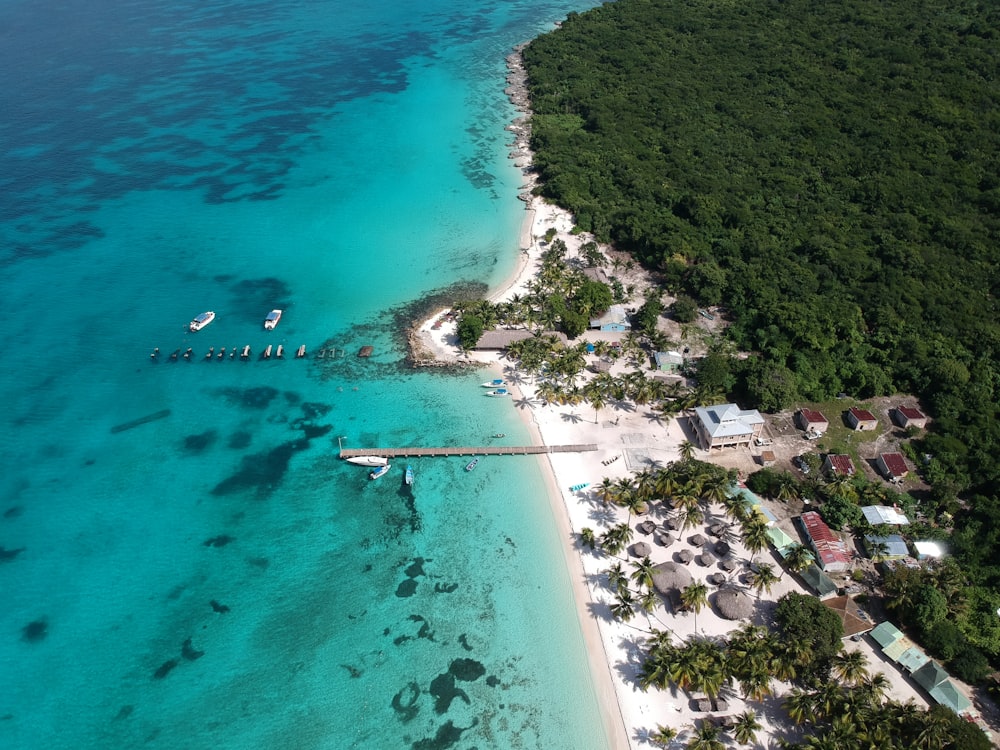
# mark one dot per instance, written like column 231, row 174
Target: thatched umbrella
column 722, row 549
column 728, row 565
column 671, row 524
column 705, row 558
column 721, row 705
column 704, row 704
column 646, row 527
column 685, row 555
column 718, row 529
column 664, row 540
column 669, row 578
column 697, row 540
column 716, row 579
column 641, row 549
column 733, row 604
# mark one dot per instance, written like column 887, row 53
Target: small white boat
column 494, row 383
column 379, row 472
column 499, row 392
column 409, row 474
column 201, row 320
column 472, row 464
column 272, row 320
column 368, row 460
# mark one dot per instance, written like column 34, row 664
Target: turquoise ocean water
column 184, row 561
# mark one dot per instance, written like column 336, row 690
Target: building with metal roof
column 932, row 678
column 883, row 514
column 727, row 426
column 893, row 546
column 831, row 552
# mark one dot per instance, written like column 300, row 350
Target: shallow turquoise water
column 215, row 576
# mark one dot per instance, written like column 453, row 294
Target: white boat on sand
column 201, row 320
column 272, row 320
column 368, row 460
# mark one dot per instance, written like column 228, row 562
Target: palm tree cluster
column 628, row 599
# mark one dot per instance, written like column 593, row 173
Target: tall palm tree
column 715, row 489
column 642, row 572
column 706, row 737
column 607, row 491
column 597, row 398
column 663, row 736
column 587, row 537
column 747, row 726
column 798, row 557
column 695, row 597
column 850, row 666
column 763, row 578
column 754, row 533
column 800, row 706
column 624, row 606
column 875, row 688
column 691, row 517
column 617, row 579
column 686, row 450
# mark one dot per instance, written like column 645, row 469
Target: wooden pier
column 467, row 450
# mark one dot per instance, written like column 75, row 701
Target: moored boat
column 271, row 320
column 409, row 474
column 201, row 320
column 472, row 464
column 499, row 392
column 494, row 383
column 379, row 472
column 368, row 460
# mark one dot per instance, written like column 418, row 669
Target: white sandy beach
column 629, row 439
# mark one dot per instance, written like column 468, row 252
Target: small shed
column 892, row 465
column 670, row 361
column 908, row 416
column 615, row 319
column 812, row 421
column 893, row 546
column 767, row 458
column 883, row 514
column 861, row 419
column 928, row 549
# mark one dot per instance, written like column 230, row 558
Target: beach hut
column 664, row 539
column 685, row 556
column 669, row 578
column 716, row 579
column 641, row 549
column 728, row 565
column 671, row 524
column 722, row 549
column 697, row 540
column 733, row 604
column 703, row 704
column 718, row 529
column 705, row 558
column 646, row 527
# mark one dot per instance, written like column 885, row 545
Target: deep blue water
column 185, row 562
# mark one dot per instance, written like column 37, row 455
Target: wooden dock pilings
column 467, row 450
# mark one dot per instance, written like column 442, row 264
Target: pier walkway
column 466, row 450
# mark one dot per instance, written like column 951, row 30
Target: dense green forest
column 829, row 174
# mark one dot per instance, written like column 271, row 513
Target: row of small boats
column 203, row 319
column 497, row 387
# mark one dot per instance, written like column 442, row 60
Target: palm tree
column 617, row 579
column 715, row 489
column 686, row 450
column 607, row 491
column 596, row 396
column 800, row 706
column 747, row 726
column 850, row 666
column 691, row 517
column 875, row 688
column 798, row 557
column 642, row 572
column 587, row 537
column 694, row 597
column 624, row 606
column 754, row 534
column 663, row 736
column 706, row 737
column 735, row 507
column 763, row 578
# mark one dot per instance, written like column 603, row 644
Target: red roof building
column 831, row 552
column 892, row 465
column 861, row 419
column 811, row 420
column 840, row 464
column 908, row 416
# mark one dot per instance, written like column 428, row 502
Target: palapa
column 718, row 529
column 722, row 549
column 716, row 579
column 641, row 549
column 705, row 558
column 664, row 540
column 728, row 565
column 733, row 604
column 720, row 705
column 671, row 524
column 646, row 527
column 669, row 577
column 685, row 555
column 704, row 704
column 697, row 540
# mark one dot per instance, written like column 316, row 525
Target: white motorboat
column 368, row 460
column 409, row 474
column 201, row 320
column 271, row 320
column 494, row 383
column 472, row 464
column 499, row 392
column 379, row 472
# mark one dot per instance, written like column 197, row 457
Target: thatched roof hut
column 705, row 558
column 728, row 565
column 646, row 527
column 664, row 539
column 671, row 524
column 704, row 704
column 669, row 577
column 697, row 540
column 716, row 579
column 641, row 549
column 722, row 549
column 733, row 604
column 685, row 555
column 718, row 529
